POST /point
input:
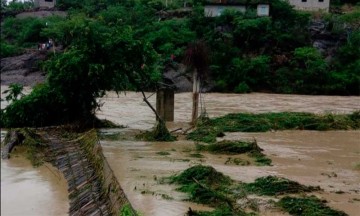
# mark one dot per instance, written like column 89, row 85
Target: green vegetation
column 237, row 147
column 273, row 186
column 260, row 158
column 216, row 212
column 310, row 206
column 89, row 64
column 127, row 210
column 14, row 92
column 229, row 147
column 18, row 34
column 159, row 133
column 207, row 186
column 237, row 161
column 163, row 153
column 15, row 6
column 204, row 185
column 123, row 45
column 196, row 155
column 208, row 130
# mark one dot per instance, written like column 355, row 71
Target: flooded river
column 329, row 159
column 129, row 109
column 30, row 191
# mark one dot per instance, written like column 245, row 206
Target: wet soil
column 22, row 69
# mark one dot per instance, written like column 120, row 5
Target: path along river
column 327, row 159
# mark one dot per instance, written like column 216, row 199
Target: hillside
column 128, row 45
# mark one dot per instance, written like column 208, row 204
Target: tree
column 14, row 92
column 97, row 59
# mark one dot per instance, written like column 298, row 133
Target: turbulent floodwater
column 30, row 191
column 327, row 159
column 129, row 109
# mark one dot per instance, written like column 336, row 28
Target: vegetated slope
column 111, row 45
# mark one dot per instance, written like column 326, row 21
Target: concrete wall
column 216, row 10
column 311, row 5
column 45, row 3
column 165, row 104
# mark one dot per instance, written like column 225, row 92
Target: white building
column 216, row 7
column 311, row 5
column 45, row 3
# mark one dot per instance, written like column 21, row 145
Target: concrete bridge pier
column 165, row 104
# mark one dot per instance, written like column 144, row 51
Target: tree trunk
column 196, row 90
column 14, row 139
column 158, row 117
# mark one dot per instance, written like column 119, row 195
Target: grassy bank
column 209, row 129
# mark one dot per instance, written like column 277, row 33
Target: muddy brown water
column 327, row 159
column 130, row 110
column 30, row 191
column 26, row 190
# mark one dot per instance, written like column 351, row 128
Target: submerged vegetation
column 208, row 130
column 229, row 147
column 159, row 133
column 273, row 186
column 236, row 147
column 205, row 185
column 310, row 206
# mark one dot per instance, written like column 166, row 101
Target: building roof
column 236, row 2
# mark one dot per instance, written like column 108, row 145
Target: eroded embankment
column 92, row 187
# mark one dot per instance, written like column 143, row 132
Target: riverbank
column 91, row 185
column 39, row 191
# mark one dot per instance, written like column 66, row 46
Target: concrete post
column 165, row 104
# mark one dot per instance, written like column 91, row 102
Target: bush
column 8, row 50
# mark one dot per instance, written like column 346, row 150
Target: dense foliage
column 113, row 44
column 97, row 58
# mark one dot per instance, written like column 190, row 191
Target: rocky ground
column 23, row 69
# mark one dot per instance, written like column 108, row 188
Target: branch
column 151, row 107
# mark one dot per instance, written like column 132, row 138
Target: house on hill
column 311, row 5
column 213, row 8
column 45, row 3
